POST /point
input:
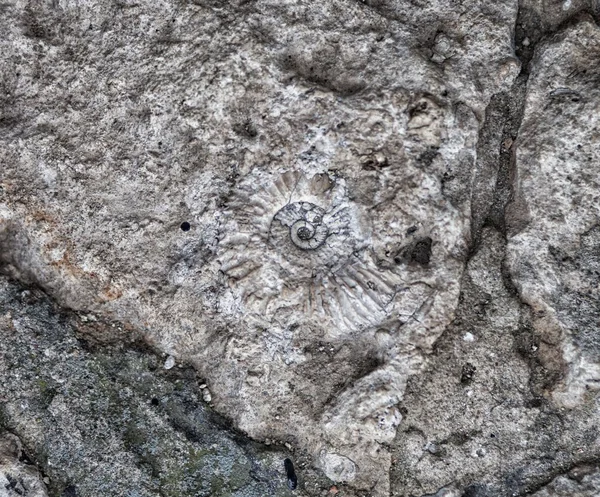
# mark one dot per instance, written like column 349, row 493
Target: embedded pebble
column 170, row 362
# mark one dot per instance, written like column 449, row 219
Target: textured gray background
column 442, row 341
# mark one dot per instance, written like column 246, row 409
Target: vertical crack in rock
column 552, row 217
column 471, row 424
column 452, row 440
column 499, row 201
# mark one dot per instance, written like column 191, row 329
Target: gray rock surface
column 477, row 418
column 554, row 242
column 17, row 478
column 112, row 421
column 581, row 482
column 220, row 116
column 371, row 228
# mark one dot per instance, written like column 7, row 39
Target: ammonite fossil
column 304, row 220
column 300, row 245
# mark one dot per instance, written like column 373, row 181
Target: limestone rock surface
column 16, row 477
column 370, row 226
column 554, row 219
column 111, row 421
column 581, row 482
column 124, row 121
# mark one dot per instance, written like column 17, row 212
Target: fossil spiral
column 307, row 228
column 300, row 245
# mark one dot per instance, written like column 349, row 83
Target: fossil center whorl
column 307, row 229
column 304, row 232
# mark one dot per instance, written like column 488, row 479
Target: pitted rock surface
column 285, row 195
column 166, row 116
column 554, row 220
column 17, row 478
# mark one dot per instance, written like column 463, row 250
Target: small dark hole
column 25, row 459
column 70, row 491
column 291, row 474
column 154, row 401
column 421, row 252
column 468, row 371
column 304, row 233
column 185, row 226
column 492, row 435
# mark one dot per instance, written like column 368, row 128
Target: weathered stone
column 553, row 220
column 580, row 482
column 495, row 435
column 17, row 478
column 285, row 196
column 123, row 122
column 113, row 422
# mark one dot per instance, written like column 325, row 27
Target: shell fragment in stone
column 301, row 245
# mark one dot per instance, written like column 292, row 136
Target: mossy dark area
column 110, row 420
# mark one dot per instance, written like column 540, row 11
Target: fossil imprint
column 308, row 231
column 300, row 245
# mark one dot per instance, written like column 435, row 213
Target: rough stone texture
column 113, row 422
column 580, row 482
column 554, row 242
column 122, row 121
column 17, row 478
column 370, row 226
column 475, row 418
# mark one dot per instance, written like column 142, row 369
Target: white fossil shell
column 306, row 223
column 301, row 246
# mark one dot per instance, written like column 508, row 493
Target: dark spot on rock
column 14, row 485
column 154, row 401
column 375, row 163
column 474, row 491
column 535, row 402
column 468, row 371
column 418, row 108
column 492, row 435
column 418, row 251
column 246, row 128
column 304, row 233
column 558, row 254
column 421, row 252
column 292, row 479
column 25, row 459
column 426, row 158
column 69, row 491
column 411, row 230
column 185, row 226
